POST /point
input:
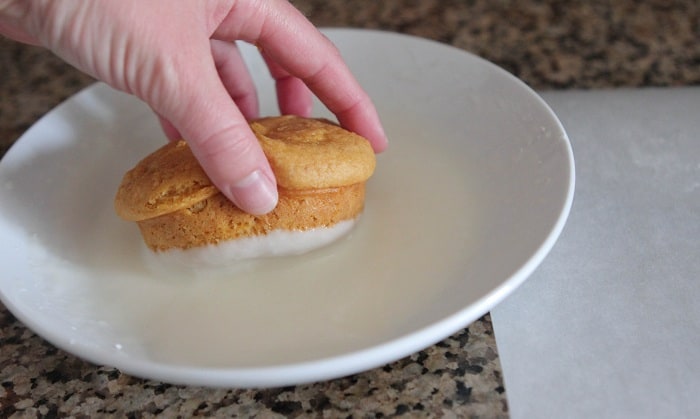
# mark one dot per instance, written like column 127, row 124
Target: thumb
column 201, row 109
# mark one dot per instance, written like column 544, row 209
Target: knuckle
column 232, row 141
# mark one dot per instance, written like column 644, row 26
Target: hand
column 179, row 57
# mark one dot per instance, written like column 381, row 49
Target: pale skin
column 179, row 57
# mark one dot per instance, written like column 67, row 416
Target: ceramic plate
column 471, row 195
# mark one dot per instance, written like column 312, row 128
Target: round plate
column 471, row 195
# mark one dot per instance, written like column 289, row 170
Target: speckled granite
column 549, row 44
column 460, row 375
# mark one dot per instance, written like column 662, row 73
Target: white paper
column 609, row 324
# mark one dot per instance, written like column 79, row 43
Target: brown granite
column 548, row 44
column 459, row 376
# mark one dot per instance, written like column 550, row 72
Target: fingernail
column 255, row 193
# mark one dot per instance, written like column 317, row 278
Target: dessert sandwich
column 321, row 171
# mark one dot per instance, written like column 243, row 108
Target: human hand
column 178, row 57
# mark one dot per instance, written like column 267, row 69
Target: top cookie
column 304, row 154
column 313, row 153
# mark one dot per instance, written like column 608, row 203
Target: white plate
column 470, row 197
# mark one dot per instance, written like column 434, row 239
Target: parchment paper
column 609, row 324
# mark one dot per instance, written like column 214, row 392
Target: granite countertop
column 548, row 44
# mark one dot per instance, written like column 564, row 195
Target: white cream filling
column 276, row 243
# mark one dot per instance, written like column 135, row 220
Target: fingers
column 290, row 41
column 292, row 94
column 235, row 77
column 169, row 129
column 203, row 111
column 330, row 79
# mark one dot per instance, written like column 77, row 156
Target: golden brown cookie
column 313, row 153
column 166, row 180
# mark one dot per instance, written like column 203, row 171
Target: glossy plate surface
column 470, row 197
